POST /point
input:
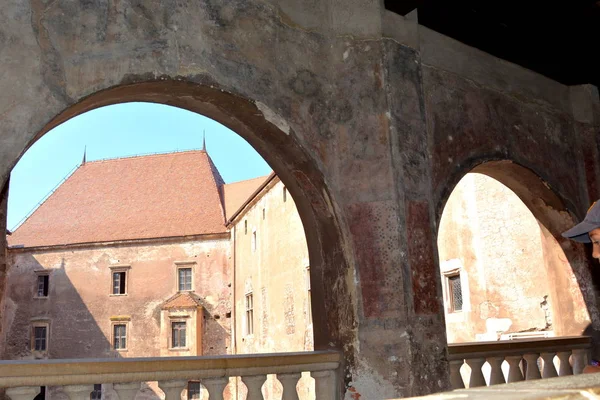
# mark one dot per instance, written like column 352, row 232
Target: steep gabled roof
column 182, row 300
column 162, row 195
column 237, row 193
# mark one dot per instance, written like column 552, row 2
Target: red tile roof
column 143, row 197
column 237, row 193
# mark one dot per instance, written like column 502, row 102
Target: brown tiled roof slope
column 162, row 195
column 237, row 193
column 182, row 300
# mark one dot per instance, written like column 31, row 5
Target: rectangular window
column 96, row 393
column 119, row 282
column 40, row 338
column 455, row 291
column 264, row 213
column 245, row 227
column 120, row 336
column 185, row 279
column 249, row 314
column 254, row 240
column 42, row 285
column 178, row 334
column 284, row 195
column 193, row 390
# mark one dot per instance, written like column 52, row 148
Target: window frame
column 249, row 314
column 179, row 265
column 113, row 327
column 451, row 300
column 185, row 337
column 118, row 269
column 38, row 275
column 34, row 326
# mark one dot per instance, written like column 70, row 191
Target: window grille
column 455, row 289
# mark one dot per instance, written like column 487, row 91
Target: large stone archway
column 365, row 115
column 560, row 263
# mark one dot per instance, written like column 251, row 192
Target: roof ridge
column 148, row 155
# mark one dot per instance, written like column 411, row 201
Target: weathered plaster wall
column 80, row 307
column 507, row 266
column 276, row 274
column 367, row 118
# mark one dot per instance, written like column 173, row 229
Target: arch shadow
column 333, row 316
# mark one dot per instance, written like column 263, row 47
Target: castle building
column 156, row 256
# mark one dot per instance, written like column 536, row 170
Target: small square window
column 43, row 280
column 119, row 282
column 120, row 336
column 40, row 338
column 178, row 335
column 184, row 279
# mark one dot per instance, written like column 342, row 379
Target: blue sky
column 124, row 130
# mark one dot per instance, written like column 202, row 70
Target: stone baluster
column 126, row 391
column 455, row 378
column 215, row 387
column 78, row 392
column 533, row 371
column 514, row 369
column 578, row 361
column 289, row 382
column 548, row 370
column 254, row 384
column 565, row 368
column 23, row 393
column 496, row 375
column 477, row 378
column 325, row 386
column 172, row 389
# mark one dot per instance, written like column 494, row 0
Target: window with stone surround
column 120, row 336
column 42, row 284
column 178, row 334
column 119, row 276
column 39, row 340
column 249, row 314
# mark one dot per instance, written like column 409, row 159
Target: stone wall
column 80, row 308
column 503, row 256
column 274, row 272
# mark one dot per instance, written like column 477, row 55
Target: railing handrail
column 89, row 371
column 457, row 351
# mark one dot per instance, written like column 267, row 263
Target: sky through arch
column 124, row 130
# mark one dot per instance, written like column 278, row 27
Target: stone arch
column 553, row 216
column 276, row 142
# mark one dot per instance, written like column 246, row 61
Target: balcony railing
column 22, row 379
column 516, row 360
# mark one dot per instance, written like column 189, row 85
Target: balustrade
column 522, row 359
column 22, row 379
